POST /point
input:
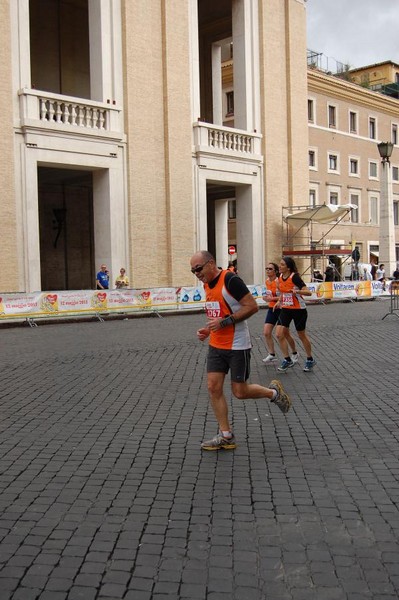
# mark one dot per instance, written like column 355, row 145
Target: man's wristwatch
column 227, row 321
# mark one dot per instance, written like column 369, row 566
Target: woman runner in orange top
column 272, row 315
column 292, row 289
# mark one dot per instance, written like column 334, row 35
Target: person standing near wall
column 228, row 305
column 102, row 278
column 317, row 276
column 273, row 313
column 373, row 270
column 293, row 307
column 329, row 273
column 380, row 275
column 122, row 281
column 367, row 275
column 231, row 267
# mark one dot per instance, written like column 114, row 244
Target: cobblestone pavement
column 104, row 492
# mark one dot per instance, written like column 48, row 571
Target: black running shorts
column 235, row 361
column 298, row 315
column 272, row 316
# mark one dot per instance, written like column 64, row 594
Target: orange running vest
column 288, row 298
column 272, row 289
column 220, row 304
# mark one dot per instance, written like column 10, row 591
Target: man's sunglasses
column 199, row 269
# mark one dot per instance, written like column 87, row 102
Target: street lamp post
column 387, row 249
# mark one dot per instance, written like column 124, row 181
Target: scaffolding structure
column 299, row 237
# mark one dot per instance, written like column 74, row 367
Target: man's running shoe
column 286, row 364
column 282, row 399
column 219, row 443
column 309, row 364
column 295, row 357
column 269, row 358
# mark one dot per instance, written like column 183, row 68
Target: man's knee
column 215, row 385
column 240, row 390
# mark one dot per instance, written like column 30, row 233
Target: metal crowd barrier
column 33, row 306
column 394, row 294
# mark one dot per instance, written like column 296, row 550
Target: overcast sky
column 354, row 32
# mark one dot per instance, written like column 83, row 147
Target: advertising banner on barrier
column 338, row 290
column 79, row 301
column 257, row 292
column 86, row 301
column 19, row 304
column 190, row 297
column 64, row 303
column 164, row 298
column 128, row 299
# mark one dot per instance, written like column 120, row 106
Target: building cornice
column 384, row 63
column 351, row 92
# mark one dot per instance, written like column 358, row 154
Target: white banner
column 60, row 303
column 190, row 297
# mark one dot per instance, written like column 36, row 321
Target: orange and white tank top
column 272, row 290
column 289, row 299
column 220, row 304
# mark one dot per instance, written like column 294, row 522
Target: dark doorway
column 215, row 192
column 214, row 24
column 66, row 229
column 59, row 46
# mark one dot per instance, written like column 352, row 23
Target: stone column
column 217, row 84
column 20, row 40
column 109, row 221
column 387, row 229
column 194, row 60
column 31, row 221
column 106, row 79
column 221, row 232
column 201, row 212
column 249, row 232
column 243, row 82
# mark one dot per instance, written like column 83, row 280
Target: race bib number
column 287, row 300
column 212, row 310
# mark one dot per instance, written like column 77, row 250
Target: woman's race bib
column 287, row 300
column 212, row 310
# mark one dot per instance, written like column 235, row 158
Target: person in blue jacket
column 102, row 278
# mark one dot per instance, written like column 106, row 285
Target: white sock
column 227, row 434
column 274, row 394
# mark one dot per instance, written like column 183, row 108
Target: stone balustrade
column 226, row 140
column 55, row 111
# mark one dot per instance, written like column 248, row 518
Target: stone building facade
column 115, row 143
column 346, row 123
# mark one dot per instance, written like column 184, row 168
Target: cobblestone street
column 105, row 493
